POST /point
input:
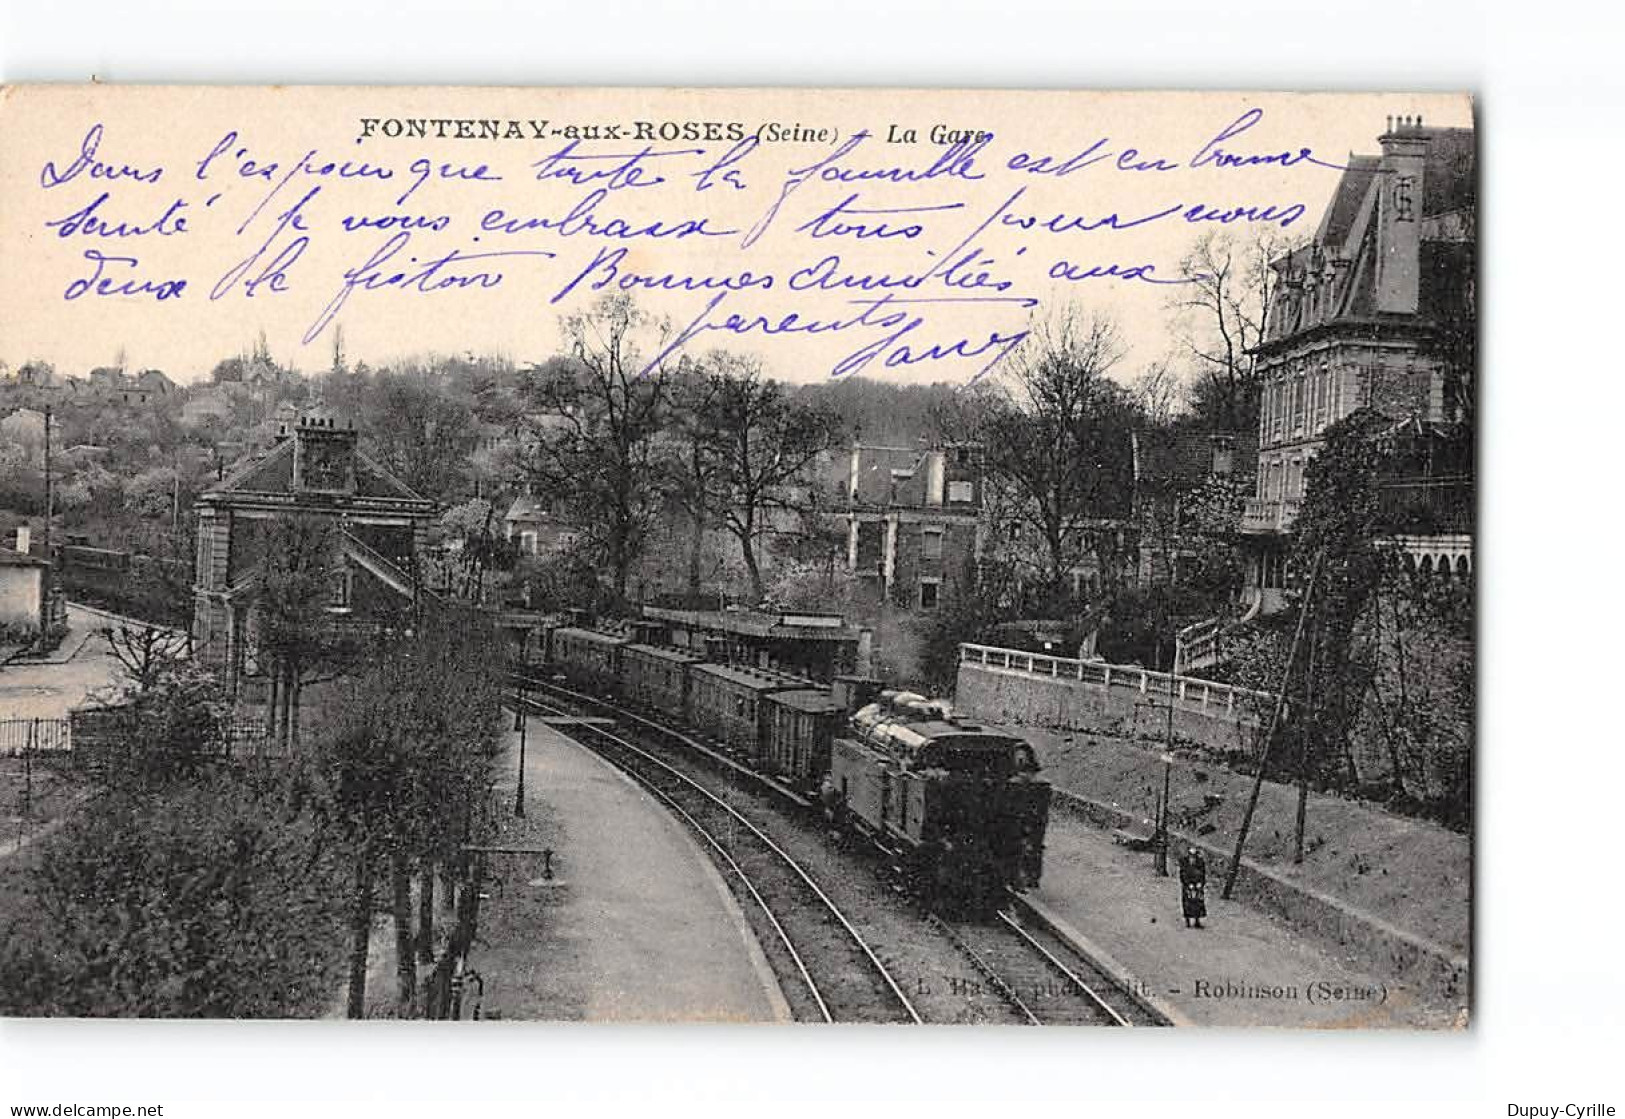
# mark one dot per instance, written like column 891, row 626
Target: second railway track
column 1047, row 982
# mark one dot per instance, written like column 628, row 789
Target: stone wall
column 998, row 695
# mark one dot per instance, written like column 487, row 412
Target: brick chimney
column 1399, row 216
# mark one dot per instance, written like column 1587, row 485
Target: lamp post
column 521, row 722
column 1162, row 816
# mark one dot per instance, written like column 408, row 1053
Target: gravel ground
column 1412, row 873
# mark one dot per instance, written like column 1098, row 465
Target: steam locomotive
column 959, row 811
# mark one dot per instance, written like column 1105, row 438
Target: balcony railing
column 1427, row 506
column 1258, row 515
column 1405, row 506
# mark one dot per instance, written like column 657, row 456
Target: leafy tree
column 1337, row 529
column 408, row 752
column 420, row 431
column 216, row 900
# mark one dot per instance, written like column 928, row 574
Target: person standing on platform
column 1193, row 886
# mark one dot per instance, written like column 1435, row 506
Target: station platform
column 635, row 924
column 1241, row 968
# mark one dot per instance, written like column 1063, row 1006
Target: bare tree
column 420, row 431
column 766, row 444
column 1221, row 316
column 1056, row 439
column 1157, row 391
column 599, row 410
column 145, row 652
column 694, row 461
column 295, row 588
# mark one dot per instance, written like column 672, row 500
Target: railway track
column 833, row 974
column 1042, row 979
column 1046, row 982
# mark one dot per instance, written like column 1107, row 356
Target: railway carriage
column 657, row 677
column 588, row 657
column 727, row 702
column 960, row 811
column 801, row 724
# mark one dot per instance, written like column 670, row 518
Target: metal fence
column 243, row 737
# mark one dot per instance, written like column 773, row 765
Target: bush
column 217, row 899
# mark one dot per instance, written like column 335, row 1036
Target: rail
column 1193, row 691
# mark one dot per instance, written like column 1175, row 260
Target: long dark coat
column 1193, row 885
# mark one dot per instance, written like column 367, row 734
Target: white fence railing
column 18, row 736
column 1209, row 696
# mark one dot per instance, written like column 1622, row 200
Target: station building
column 315, row 471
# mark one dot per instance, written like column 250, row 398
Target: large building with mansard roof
column 1377, row 311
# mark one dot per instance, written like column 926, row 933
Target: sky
column 172, row 225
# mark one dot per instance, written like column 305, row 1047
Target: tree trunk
column 406, row 968
column 360, row 935
column 426, row 911
column 758, row 591
column 1395, row 759
column 696, row 555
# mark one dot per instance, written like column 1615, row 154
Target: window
column 961, row 493
column 931, row 543
column 928, row 594
column 527, row 543
column 1223, row 456
column 338, row 597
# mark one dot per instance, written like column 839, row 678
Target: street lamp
column 1161, row 842
column 521, row 722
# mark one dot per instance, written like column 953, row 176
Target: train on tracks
column 959, row 811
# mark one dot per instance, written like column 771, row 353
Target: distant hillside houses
column 37, row 382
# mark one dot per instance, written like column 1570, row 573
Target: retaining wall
column 999, row 695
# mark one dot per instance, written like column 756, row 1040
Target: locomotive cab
column 962, row 809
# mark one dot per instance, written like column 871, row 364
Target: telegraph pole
column 1160, row 843
column 48, row 486
column 1269, row 731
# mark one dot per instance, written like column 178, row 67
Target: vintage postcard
column 882, row 556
